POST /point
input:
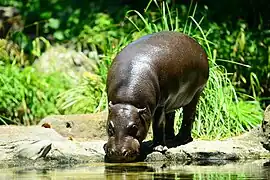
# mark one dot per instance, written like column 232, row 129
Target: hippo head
column 127, row 127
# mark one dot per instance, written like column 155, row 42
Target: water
column 139, row 171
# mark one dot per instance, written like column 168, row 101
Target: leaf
column 46, row 15
column 54, row 23
column 59, row 35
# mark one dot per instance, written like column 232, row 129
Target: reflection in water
column 128, row 171
column 141, row 171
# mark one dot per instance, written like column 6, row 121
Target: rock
column 266, row 129
column 35, row 144
column 35, row 150
column 155, row 157
column 68, row 61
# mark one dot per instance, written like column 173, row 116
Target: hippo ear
column 110, row 105
column 105, row 147
column 141, row 111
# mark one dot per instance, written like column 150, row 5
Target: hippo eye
column 110, row 132
column 132, row 130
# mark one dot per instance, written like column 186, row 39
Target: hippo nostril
column 111, row 152
column 124, row 152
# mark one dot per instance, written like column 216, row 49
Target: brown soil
column 79, row 126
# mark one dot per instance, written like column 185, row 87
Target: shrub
column 88, row 96
column 27, row 95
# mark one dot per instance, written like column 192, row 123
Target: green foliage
column 102, row 32
column 241, row 46
column 37, row 44
column 83, row 22
column 88, row 96
column 220, row 107
column 26, row 95
column 10, row 53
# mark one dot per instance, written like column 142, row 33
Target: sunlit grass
column 27, row 95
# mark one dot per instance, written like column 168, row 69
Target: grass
column 88, row 96
column 27, row 95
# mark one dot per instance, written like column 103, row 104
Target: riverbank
column 77, row 139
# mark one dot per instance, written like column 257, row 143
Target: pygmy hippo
column 148, row 80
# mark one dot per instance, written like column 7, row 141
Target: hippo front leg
column 159, row 130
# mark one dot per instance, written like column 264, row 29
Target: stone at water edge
column 35, row 150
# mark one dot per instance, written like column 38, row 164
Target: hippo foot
column 160, row 148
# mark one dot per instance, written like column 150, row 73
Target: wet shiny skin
column 124, row 136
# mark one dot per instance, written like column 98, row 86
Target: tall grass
column 88, row 96
column 220, row 113
column 27, row 95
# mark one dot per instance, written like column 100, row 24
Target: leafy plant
column 102, row 32
column 247, row 48
column 27, row 95
column 88, row 96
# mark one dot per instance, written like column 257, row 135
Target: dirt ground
column 81, row 127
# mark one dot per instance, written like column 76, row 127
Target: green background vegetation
column 237, row 45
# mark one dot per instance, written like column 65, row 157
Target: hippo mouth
column 130, row 152
column 131, row 157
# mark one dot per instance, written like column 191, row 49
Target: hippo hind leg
column 189, row 112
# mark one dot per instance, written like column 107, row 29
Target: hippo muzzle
column 126, row 149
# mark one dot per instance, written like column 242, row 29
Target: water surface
column 259, row 169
